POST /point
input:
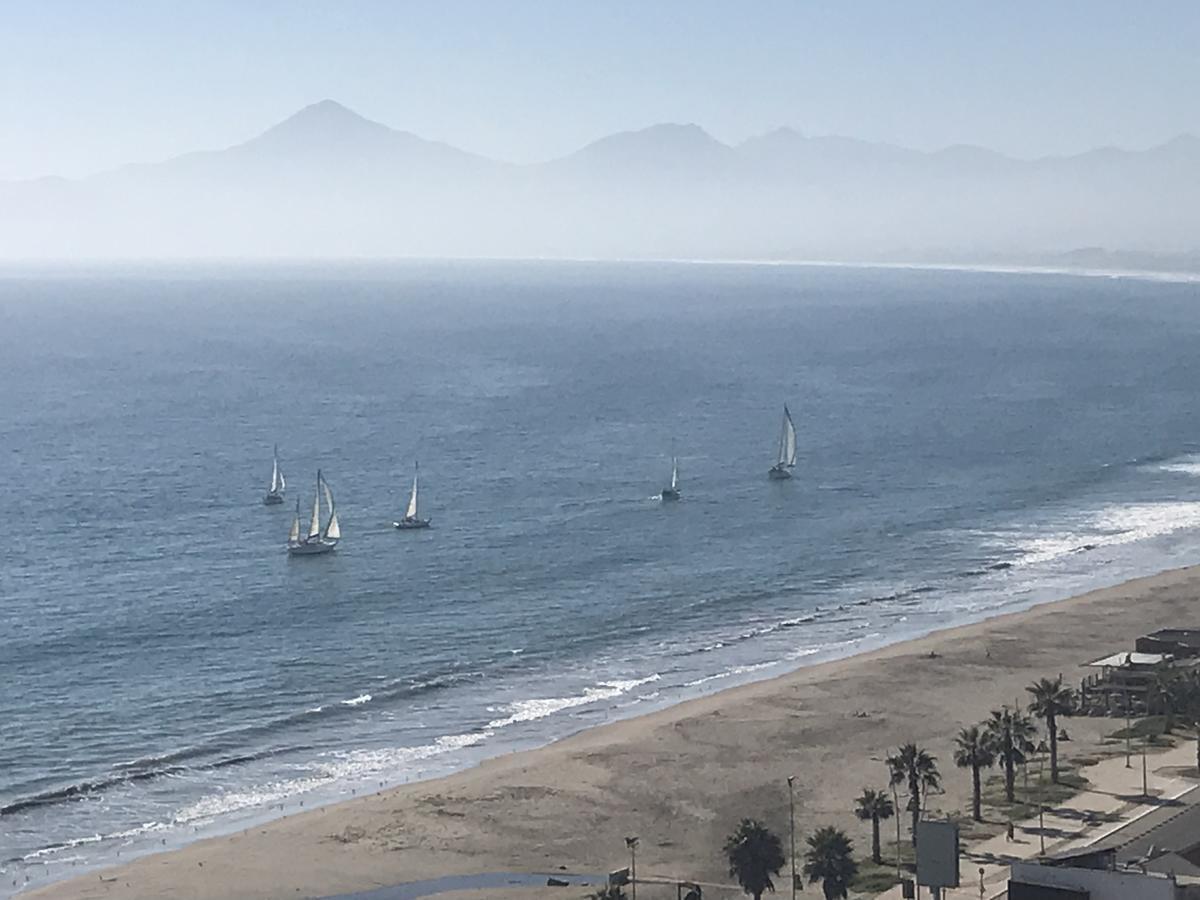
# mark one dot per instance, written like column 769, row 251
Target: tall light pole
column 1042, row 750
column 1128, row 732
column 1145, row 786
column 792, row 827
column 897, row 816
column 631, row 843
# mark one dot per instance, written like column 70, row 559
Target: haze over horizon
column 702, row 131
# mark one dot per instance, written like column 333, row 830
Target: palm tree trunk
column 876, row 857
column 1052, row 727
column 914, row 793
column 1009, row 778
column 975, row 794
column 1198, row 750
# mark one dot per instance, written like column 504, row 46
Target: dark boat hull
column 411, row 524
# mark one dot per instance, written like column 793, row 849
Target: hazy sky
column 89, row 84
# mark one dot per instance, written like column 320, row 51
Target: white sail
column 275, row 476
column 294, row 534
column 674, row 473
column 314, row 525
column 787, row 441
column 411, row 512
column 331, row 529
column 282, row 483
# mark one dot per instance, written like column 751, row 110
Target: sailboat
column 672, row 492
column 412, row 516
column 278, row 484
column 787, row 449
column 320, row 539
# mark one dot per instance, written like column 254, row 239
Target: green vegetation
column 918, row 768
column 829, row 860
column 873, row 879
column 1011, row 735
column 1051, row 702
column 754, row 855
column 973, row 750
column 874, row 806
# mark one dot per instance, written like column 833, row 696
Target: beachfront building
column 1122, row 684
column 1094, row 876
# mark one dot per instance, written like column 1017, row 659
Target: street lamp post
column 1128, row 731
column 792, row 827
column 631, row 843
column 1042, row 750
column 1145, row 786
column 897, row 816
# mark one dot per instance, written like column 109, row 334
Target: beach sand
column 680, row 778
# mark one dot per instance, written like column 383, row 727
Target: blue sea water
column 969, row 443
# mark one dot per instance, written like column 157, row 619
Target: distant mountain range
column 327, row 182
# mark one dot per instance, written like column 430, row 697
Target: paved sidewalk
column 1112, row 800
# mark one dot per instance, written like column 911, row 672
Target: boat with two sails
column 321, row 537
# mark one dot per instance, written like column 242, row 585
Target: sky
column 87, row 85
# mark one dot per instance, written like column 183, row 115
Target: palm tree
column 829, row 859
column 1186, row 703
column 874, row 806
column 918, row 769
column 973, row 750
column 1169, row 692
column 1011, row 734
column 754, row 854
column 1052, row 699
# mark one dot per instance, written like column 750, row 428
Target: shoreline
column 66, row 268
column 635, row 774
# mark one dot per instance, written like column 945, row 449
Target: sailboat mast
column 411, row 512
column 314, row 525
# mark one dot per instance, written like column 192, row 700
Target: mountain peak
column 667, row 143
column 324, row 122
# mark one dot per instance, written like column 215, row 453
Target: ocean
column 970, row 443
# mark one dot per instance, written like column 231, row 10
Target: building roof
column 1187, row 636
column 1134, row 659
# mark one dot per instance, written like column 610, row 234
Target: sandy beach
column 679, row 778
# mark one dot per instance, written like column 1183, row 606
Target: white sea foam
column 1183, row 465
column 729, row 673
column 1110, row 526
column 357, row 701
column 540, row 708
column 125, row 835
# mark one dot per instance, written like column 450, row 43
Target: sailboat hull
column 409, row 524
column 670, row 494
column 310, row 548
column 271, row 499
column 779, row 473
